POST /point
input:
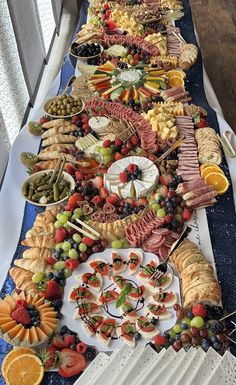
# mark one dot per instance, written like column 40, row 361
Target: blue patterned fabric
column 221, row 217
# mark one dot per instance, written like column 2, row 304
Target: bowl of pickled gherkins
column 63, row 106
column 41, row 190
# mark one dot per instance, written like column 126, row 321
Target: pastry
column 46, row 241
column 38, row 253
column 47, row 216
column 59, row 147
column 54, row 123
column 63, row 129
column 33, row 265
column 55, row 155
column 59, row 138
column 23, row 280
column 47, row 229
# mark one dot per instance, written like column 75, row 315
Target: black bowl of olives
column 86, row 51
column 63, row 106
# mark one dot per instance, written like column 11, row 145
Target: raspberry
column 106, row 143
column 50, row 260
column 88, row 241
column 97, row 200
column 21, row 302
column 72, row 264
column 52, row 291
column 69, row 339
column 134, row 140
column 21, row 315
column 160, row 340
column 199, row 310
column 118, row 156
column 74, row 119
column 132, row 167
column 118, row 142
column 81, row 347
column 123, row 177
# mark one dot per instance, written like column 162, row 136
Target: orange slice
column 26, row 369
column 178, row 73
column 218, row 181
column 176, row 81
column 211, row 169
column 13, row 354
column 206, row 165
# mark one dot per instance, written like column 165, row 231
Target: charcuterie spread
column 104, row 264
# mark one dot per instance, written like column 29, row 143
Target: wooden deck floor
column 215, row 22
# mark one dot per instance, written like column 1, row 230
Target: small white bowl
column 47, row 103
column 86, row 58
column 67, row 177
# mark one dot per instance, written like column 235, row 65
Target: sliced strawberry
column 53, row 290
column 103, row 193
column 48, row 357
column 58, row 342
column 71, row 363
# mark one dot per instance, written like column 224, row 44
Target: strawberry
column 60, row 234
column 136, row 57
column 108, row 12
column 69, row 339
column 21, row 315
column 141, row 202
column 70, row 169
column 99, row 181
column 21, row 303
column 103, row 193
column 86, row 126
column 58, row 342
column 103, row 17
column 106, row 143
column 43, row 120
column 97, row 200
column 186, row 214
column 49, row 357
column 124, row 151
column 118, row 156
column 132, row 167
column 159, row 340
column 50, row 260
column 123, row 176
column 75, row 119
column 72, row 201
column 72, row 264
column 168, row 218
column 81, row 347
column 71, row 363
column 88, row 241
column 165, row 179
column 106, row 7
column 79, row 176
column 118, row 142
column 200, row 122
column 199, row 310
column 53, row 290
column 113, row 199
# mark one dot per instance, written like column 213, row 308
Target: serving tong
column 161, row 269
column 226, row 141
column 169, row 151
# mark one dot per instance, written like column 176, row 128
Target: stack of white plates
column 143, row 366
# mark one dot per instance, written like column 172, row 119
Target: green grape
column 59, row 265
column 98, row 148
column 156, row 207
column 62, row 218
column 66, row 226
column 161, row 213
column 67, row 273
column 66, row 246
column 82, row 247
column 78, row 212
column 58, row 224
column 123, row 55
column 37, row 277
column 65, row 253
column 186, row 320
column 152, row 202
column 125, row 244
column 59, row 246
column 67, row 213
column 73, row 254
column 178, row 217
column 179, row 209
column 198, row 322
column 117, row 244
column 76, row 238
column 177, row 328
column 107, row 159
column 103, row 151
column 108, row 151
column 172, row 333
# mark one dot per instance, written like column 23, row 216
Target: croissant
column 46, row 229
column 60, row 138
column 23, row 280
column 59, row 147
column 59, row 130
column 47, row 216
column 33, row 265
column 53, row 123
column 55, row 155
column 37, row 253
column 46, row 241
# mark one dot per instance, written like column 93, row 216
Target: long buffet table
column 17, row 217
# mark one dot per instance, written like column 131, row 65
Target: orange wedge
column 176, row 81
column 178, row 73
column 206, row 165
column 27, row 369
column 211, row 169
column 13, row 354
column 218, row 181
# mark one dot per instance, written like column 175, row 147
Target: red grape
column 185, row 338
column 194, row 331
column 177, row 345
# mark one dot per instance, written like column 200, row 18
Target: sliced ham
column 201, row 199
column 189, row 186
column 197, row 192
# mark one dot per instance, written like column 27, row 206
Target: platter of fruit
column 63, row 106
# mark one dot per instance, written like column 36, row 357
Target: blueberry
column 166, row 334
column 184, row 326
column 213, row 339
column 217, row 346
column 63, row 330
column 207, row 325
column 75, row 245
column 79, row 123
column 58, row 254
column 177, row 336
column 189, row 314
column 30, row 307
column 36, row 323
column 137, row 336
column 61, row 273
column 90, row 353
column 59, row 315
column 50, row 276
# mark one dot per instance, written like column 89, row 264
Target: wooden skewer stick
column 87, row 227
column 82, row 231
column 172, row 148
column 179, row 37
